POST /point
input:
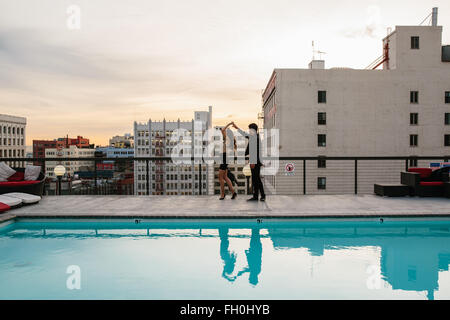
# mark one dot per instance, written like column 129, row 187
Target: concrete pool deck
column 276, row 206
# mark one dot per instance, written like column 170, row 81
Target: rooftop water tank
column 317, row 64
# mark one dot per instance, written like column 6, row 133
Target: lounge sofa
column 424, row 182
column 16, row 183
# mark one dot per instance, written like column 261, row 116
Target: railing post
column 304, row 176
column 406, row 165
column 147, row 179
column 356, row 176
column 46, row 187
column 95, row 175
column 200, row 179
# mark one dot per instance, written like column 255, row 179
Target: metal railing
column 351, row 170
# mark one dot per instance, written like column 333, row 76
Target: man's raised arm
column 242, row 132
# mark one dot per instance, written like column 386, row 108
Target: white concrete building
column 153, row 139
column 12, row 137
column 401, row 110
column 71, row 166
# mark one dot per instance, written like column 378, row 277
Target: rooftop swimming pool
column 225, row 259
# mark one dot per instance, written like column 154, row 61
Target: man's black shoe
column 263, row 198
column 252, row 199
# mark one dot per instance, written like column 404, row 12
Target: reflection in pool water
column 275, row 259
column 254, row 255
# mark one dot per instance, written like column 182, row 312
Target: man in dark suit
column 253, row 151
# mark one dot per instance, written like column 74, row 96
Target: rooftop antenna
column 317, row 51
column 320, row 54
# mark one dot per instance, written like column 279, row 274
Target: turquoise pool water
column 225, row 259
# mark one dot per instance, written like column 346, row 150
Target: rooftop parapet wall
column 13, row 119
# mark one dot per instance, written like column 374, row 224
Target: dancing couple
column 252, row 150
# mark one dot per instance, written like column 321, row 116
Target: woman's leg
column 230, row 185
column 221, row 181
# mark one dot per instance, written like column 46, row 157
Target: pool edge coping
column 7, row 217
column 249, row 216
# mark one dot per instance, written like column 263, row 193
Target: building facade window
column 322, row 118
column 447, row 96
column 414, row 97
column 447, row 119
column 322, row 96
column 321, row 163
column 413, row 162
column 413, row 140
column 415, row 42
column 447, row 140
column 413, row 118
column 322, row 140
column 321, row 183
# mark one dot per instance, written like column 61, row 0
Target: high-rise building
column 79, row 142
column 125, row 141
column 71, row 166
column 39, row 146
column 401, row 110
column 155, row 139
column 12, row 137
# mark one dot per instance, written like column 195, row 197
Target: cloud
column 372, row 27
column 65, row 88
column 25, row 49
column 32, row 64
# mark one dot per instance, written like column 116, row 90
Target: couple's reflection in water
column 411, row 257
column 254, row 257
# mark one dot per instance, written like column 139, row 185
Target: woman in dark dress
column 227, row 135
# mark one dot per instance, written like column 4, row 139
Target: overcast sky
column 140, row 59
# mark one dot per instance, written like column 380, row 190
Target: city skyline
column 145, row 60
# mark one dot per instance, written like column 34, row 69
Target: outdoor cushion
column 441, row 174
column 5, row 171
column 16, row 183
column 12, row 202
column 4, row 207
column 424, row 172
column 32, row 172
column 25, row 197
column 431, row 183
column 18, row 176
